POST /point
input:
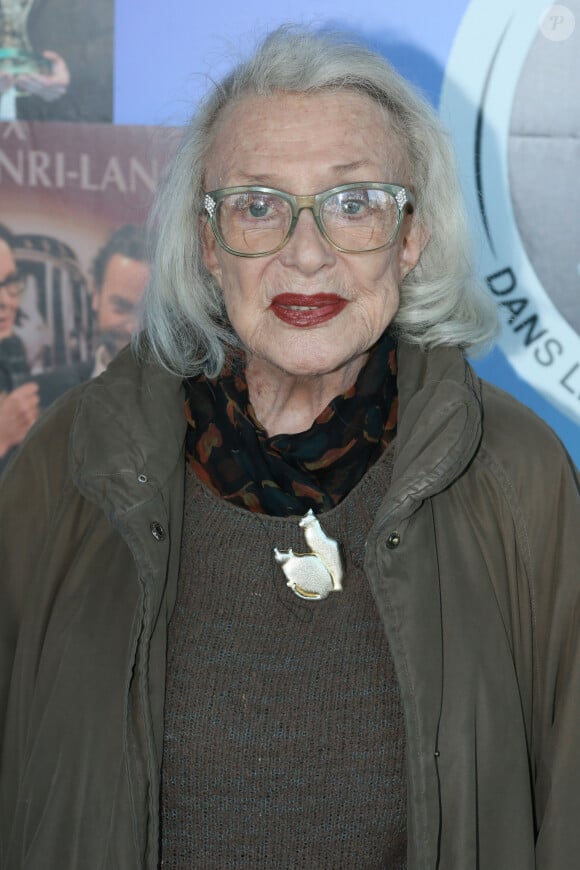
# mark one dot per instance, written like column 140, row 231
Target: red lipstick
column 302, row 310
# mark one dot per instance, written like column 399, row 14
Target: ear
column 210, row 251
column 96, row 300
column 414, row 237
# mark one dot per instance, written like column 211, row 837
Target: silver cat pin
column 312, row 576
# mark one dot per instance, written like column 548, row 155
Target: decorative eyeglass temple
column 209, row 204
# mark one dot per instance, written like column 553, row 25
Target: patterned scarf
column 285, row 475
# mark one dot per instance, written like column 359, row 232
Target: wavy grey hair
column 184, row 325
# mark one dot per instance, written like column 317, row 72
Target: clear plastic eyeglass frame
column 404, row 199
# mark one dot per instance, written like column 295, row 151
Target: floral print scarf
column 284, row 475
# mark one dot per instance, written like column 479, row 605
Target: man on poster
column 19, row 401
column 120, row 273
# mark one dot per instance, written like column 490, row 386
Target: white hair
column 184, row 325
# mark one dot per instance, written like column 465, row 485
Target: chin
column 314, row 364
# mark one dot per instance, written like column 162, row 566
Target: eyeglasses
column 12, row 284
column 357, row 218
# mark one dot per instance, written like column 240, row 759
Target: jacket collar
column 128, row 434
column 439, row 425
column 129, row 430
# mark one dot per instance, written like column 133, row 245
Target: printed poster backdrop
column 504, row 73
column 65, row 190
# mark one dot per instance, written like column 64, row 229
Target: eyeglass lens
column 12, row 284
column 359, row 219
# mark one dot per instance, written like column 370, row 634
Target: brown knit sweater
column 284, row 738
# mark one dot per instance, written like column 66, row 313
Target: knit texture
column 284, row 740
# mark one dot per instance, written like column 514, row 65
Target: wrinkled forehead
column 340, row 125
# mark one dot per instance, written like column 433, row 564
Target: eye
column 259, row 207
column 254, row 206
column 349, row 204
column 353, row 205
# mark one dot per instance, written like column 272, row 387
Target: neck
column 285, row 403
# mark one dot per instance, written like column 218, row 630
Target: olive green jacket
column 474, row 561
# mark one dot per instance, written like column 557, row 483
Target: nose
column 307, row 249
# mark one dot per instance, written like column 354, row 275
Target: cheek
column 233, row 299
column 105, row 314
column 240, row 283
column 211, row 253
column 381, row 282
column 245, row 301
column 378, row 297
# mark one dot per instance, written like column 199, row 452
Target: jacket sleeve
column 542, row 487
column 31, row 489
column 554, row 543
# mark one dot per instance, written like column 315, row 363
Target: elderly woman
column 288, row 586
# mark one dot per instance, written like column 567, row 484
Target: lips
column 302, row 310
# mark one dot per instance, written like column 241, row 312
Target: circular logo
column 509, row 99
column 557, row 23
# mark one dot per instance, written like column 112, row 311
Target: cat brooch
column 314, row 575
